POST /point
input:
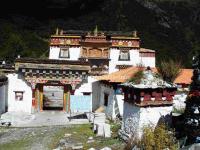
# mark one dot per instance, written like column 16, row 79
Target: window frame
column 61, row 52
column 19, row 97
column 123, row 51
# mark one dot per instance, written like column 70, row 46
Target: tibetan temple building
column 106, row 52
column 146, row 102
column 64, row 81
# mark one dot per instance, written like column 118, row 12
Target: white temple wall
column 136, row 118
column 114, row 59
column 74, row 53
column 130, row 119
column 148, row 61
column 151, row 115
column 85, row 87
column 120, row 101
column 115, row 102
column 17, row 84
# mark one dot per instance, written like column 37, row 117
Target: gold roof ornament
column 88, row 34
column 96, row 31
column 61, row 32
column 57, row 30
column 135, row 33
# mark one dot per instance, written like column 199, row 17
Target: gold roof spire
column 57, row 30
column 96, row 31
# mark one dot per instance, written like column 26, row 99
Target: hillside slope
column 171, row 27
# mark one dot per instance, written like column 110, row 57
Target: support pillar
column 33, row 108
column 65, row 96
column 41, row 97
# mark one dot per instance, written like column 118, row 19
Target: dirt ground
column 48, row 138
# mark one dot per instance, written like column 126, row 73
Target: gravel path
column 38, row 138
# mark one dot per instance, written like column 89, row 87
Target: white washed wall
column 151, row 115
column 115, row 102
column 114, row 56
column 130, row 119
column 85, row 87
column 74, row 53
column 17, row 84
column 120, row 101
column 135, row 118
column 148, row 61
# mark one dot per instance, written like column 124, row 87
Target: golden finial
column 96, row 31
column 61, row 32
column 57, row 30
column 135, row 33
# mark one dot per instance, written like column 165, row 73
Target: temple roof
column 124, row 75
column 51, row 64
column 144, row 50
column 149, row 79
column 107, row 33
column 51, row 61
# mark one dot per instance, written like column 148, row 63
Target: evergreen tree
column 192, row 111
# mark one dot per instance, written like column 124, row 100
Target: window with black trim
column 124, row 55
column 64, row 52
column 19, row 95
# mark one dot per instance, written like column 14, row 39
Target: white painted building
column 146, row 103
column 123, row 51
column 19, row 94
column 106, row 97
column 135, row 118
column 64, row 53
column 105, row 55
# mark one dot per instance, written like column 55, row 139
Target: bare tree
column 169, row 70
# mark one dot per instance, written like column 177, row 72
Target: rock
column 33, row 133
column 62, row 142
column 90, row 138
column 90, row 141
column 58, row 148
column 106, row 148
column 107, row 132
column 100, row 129
column 67, row 135
column 92, row 148
column 77, row 147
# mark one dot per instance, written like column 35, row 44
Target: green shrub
column 159, row 138
column 137, row 77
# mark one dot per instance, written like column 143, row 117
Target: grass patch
column 81, row 133
column 21, row 144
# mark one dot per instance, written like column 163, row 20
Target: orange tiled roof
column 126, row 74
column 122, row 75
column 144, row 50
column 185, row 77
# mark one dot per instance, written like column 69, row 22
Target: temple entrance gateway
column 53, row 97
column 52, row 81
